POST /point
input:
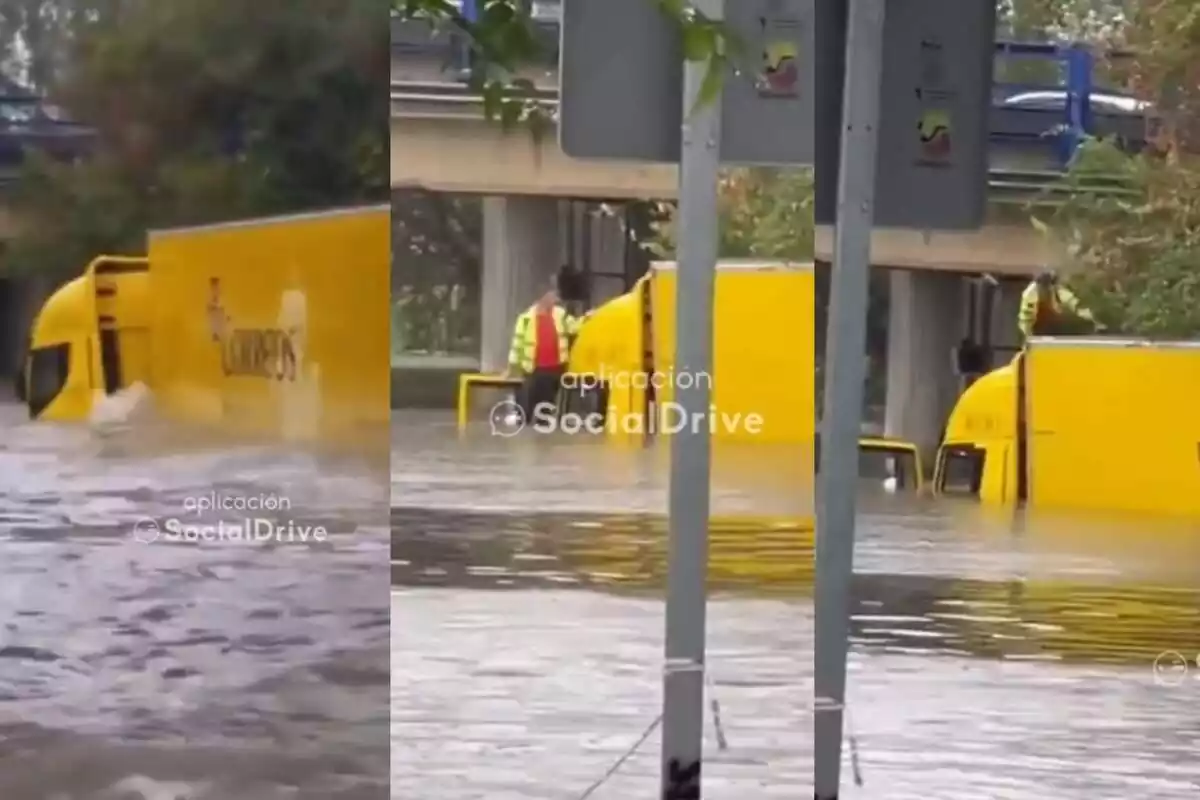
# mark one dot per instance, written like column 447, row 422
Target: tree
column 206, row 110
column 764, row 213
column 1133, row 252
column 436, row 269
column 36, row 36
column 502, row 37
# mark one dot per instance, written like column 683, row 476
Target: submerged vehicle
column 1081, row 424
column 763, row 366
column 260, row 328
column 622, row 374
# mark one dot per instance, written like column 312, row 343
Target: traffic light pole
column 845, row 373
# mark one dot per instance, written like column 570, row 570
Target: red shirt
column 545, row 347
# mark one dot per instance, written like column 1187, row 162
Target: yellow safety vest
column 1061, row 299
column 524, row 344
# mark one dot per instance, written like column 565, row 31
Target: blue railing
column 1073, row 94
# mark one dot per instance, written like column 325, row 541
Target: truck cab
column 978, row 457
column 90, row 339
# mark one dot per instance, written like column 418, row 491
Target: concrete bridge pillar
column 1004, row 333
column 604, row 252
column 927, row 321
column 521, row 256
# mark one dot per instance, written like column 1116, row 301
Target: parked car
column 1056, row 99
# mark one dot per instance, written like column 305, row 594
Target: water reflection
column 1051, row 617
column 993, row 656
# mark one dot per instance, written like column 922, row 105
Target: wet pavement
column 992, row 657
column 217, row 668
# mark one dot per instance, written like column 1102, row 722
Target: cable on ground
column 679, row 665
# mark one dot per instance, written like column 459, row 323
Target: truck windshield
column 961, row 470
column 48, row 368
column 878, row 463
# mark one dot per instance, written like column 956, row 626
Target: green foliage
column 36, row 36
column 1133, row 255
column 503, row 39
column 765, row 213
column 208, row 110
column 436, row 267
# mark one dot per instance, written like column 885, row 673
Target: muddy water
column 219, row 668
column 992, row 657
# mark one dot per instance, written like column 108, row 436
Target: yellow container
column 1084, row 425
column 274, row 328
column 763, row 373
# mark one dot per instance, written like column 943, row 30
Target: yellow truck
column 763, row 380
column 1100, row 424
column 270, row 328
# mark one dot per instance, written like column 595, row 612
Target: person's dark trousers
column 541, row 386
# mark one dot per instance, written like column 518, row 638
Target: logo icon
column 934, row 131
column 1170, row 669
column 146, row 530
column 780, row 73
column 506, row 418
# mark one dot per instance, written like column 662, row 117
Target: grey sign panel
column 935, row 106
column 621, row 79
column 768, row 110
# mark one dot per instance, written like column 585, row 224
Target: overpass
column 440, row 141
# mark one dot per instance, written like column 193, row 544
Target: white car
column 1056, row 99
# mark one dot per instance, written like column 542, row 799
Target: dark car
column 28, row 122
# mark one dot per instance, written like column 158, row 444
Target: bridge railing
column 1053, row 114
column 1072, row 92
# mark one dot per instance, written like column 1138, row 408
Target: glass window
column 48, row 367
column 877, row 464
column 588, row 399
column 961, row 470
column 17, row 113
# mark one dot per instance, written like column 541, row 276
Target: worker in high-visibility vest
column 1050, row 309
column 541, row 345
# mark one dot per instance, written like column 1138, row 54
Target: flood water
column 992, row 657
column 174, row 670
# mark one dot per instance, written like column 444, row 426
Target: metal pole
column 687, row 570
column 845, row 374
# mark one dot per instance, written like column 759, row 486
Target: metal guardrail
column 1017, row 126
column 443, row 100
column 1047, row 188
column 440, row 100
column 449, row 51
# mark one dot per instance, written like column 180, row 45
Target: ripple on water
column 991, row 657
column 168, row 670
